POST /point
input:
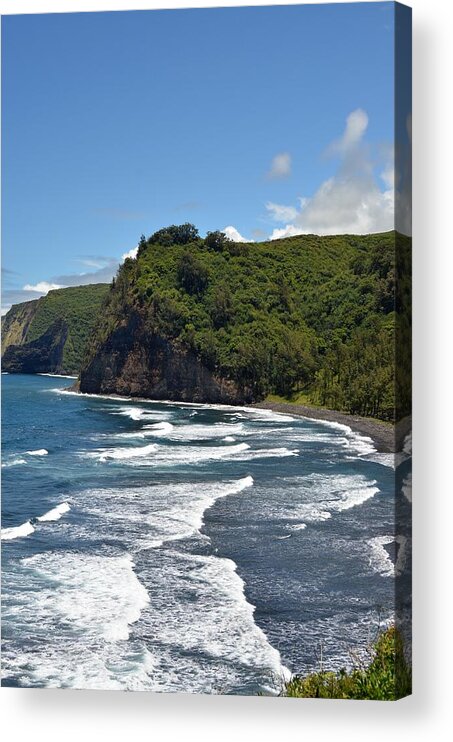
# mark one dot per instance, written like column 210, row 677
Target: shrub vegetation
column 386, row 678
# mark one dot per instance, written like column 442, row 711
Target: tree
column 180, row 234
column 222, row 306
column 192, row 274
column 141, row 245
column 216, row 240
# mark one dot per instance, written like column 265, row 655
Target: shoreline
column 387, row 437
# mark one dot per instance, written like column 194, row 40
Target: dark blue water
column 163, row 547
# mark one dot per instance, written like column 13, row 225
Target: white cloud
column 388, row 175
column 131, row 254
column 353, row 200
column 233, row 234
column 281, row 213
column 356, row 126
column 42, row 287
column 280, row 166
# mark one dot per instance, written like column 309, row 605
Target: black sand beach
column 387, row 438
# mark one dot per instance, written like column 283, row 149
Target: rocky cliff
column 49, row 335
column 134, row 362
column 16, row 322
column 44, row 355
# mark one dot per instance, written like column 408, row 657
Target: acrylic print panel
column 206, row 351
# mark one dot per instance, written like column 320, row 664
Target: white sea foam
column 59, row 376
column 200, row 607
column 197, row 633
column 205, row 432
column 267, row 415
column 25, row 529
column 38, row 452
column 55, row 513
column 13, row 462
column 380, row 558
column 158, row 514
column 184, row 432
column 159, row 428
column 360, row 444
column 155, row 455
column 133, row 413
column 72, row 392
column 315, row 498
column 122, row 454
column 79, row 608
column 100, row 595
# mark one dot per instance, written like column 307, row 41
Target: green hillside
column 308, row 315
column 75, row 308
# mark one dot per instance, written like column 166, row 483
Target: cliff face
column 16, row 322
column 49, row 335
column 133, row 362
column 44, row 355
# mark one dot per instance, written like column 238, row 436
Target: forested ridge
column 76, row 307
column 311, row 316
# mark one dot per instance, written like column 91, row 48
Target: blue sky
column 271, row 120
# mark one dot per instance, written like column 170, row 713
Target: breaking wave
column 25, row 529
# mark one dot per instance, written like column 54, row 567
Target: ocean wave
column 79, row 610
column 380, row 558
column 13, row 462
column 55, row 513
column 156, row 455
column 73, row 393
column 124, row 454
column 200, row 608
column 38, row 452
column 316, row 498
column 153, row 516
column 140, row 414
column 25, row 529
column 361, row 444
column 185, row 432
column 59, row 376
column 267, row 415
column 98, row 594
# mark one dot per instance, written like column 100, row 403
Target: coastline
column 387, row 437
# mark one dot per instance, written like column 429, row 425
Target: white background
column 100, row 715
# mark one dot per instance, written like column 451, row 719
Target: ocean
column 192, row 548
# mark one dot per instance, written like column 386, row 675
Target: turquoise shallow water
column 196, row 548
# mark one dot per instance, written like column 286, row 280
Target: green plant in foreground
column 388, row 677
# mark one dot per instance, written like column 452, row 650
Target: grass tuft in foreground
column 388, row 677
